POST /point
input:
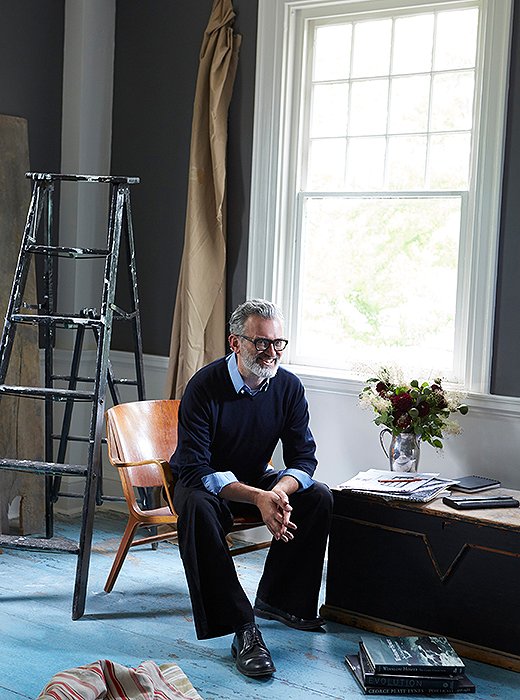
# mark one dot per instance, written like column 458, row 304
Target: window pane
column 368, row 107
column 371, row 55
column 385, row 286
column 326, row 165
column 448, row 161
column 452, row 101
column 365, row 164
column 413, row 44
column 329, row 110
column 409, row 100
column 332, row 52
column 406, row 162
column 456, row 40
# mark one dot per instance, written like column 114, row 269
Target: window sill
column 328, row 381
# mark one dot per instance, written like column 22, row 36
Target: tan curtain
column 198, row 333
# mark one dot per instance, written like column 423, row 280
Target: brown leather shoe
column 267, row 612
column 252, row 657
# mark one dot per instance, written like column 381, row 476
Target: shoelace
column 251, row 637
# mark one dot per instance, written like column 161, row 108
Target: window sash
column 316, row 357
column 272, row 262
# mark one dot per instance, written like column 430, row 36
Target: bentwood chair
column 141, row 437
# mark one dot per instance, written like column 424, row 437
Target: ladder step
column 116, row 179
column 46, row 393
column 90, row 380
column 39, row 544
column 61, row 321
column 76, row 438
column 66, row 252
column 47, row 468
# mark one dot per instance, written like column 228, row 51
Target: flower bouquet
column 422, row 409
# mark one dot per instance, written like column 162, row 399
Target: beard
column 251, row 363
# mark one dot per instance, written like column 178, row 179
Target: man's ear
column 234, row 342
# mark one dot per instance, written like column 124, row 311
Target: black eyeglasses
column 261, row 344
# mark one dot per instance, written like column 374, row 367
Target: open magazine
column 416, row 487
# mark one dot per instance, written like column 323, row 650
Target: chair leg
column 124, row 546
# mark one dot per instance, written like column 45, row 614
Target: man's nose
column 270, row 350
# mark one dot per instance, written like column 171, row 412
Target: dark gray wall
column 31, row 70
column 156, row 62
column 157, row 48
column 505, row 378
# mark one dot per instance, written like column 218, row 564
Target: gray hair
column 253, row 307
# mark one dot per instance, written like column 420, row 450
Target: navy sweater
column 220, row 430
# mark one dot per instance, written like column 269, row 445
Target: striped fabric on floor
column 108, row 680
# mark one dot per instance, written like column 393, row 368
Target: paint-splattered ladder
column 40, row 239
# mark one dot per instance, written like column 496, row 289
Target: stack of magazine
column 408, row 666
column 415, row 487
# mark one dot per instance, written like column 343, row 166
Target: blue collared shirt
column 216, row 482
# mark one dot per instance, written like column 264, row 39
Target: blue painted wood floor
column 148, row 616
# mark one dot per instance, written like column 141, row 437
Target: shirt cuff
column 301, row 477
column 214, row 483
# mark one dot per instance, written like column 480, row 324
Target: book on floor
column 428, row 655
column 393, row 684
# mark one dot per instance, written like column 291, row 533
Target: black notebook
column 472, row 484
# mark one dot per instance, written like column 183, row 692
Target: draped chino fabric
column 108, row 680
column 198, row 333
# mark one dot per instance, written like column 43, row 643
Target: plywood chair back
column 141, row 437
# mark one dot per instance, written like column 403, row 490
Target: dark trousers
column 292, row 573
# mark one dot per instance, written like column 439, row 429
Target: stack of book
column 408, row 665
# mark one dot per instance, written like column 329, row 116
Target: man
column 232, row 415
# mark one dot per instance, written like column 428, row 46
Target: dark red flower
column 440, row 399
column 402, row 402
column 404, row 422
column 381, row 388
column 423, row 408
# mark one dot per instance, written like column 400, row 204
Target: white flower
column 451, row 427
column 370, row 399
column 454, row 399
column 393, row 374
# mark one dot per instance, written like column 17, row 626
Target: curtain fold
column 198, row 331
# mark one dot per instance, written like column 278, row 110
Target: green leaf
column 437, row 443
column 413, row 413
column 463, row 409
column 414, row 383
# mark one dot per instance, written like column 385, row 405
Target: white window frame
column 271, row 270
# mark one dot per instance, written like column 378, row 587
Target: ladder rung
column 46, row 393
column 76, row 438
column 67, row 378
column 63, row 321
column 66, row 252
column 39, row 544
column 47, row 468
column 84, row 178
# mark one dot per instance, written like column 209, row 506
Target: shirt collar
column 238, row 382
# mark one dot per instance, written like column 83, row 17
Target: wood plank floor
column 148, row 616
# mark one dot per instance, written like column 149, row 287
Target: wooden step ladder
column 41, row 240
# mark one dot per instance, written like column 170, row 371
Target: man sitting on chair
column 232, row 415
